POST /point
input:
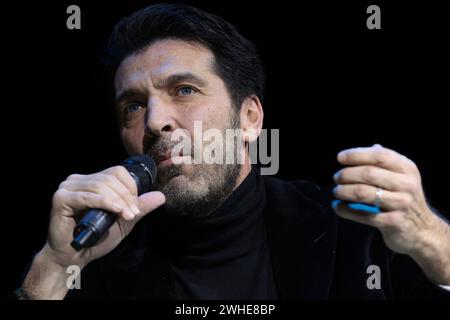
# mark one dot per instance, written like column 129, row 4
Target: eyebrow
column 181, row 77
column 170, row 81
column 129, row 93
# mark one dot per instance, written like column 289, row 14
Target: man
column 224, row 231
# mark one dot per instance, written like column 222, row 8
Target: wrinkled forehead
column 161, row 59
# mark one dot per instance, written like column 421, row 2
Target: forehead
column 161, row 59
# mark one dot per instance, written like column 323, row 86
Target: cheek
column 211, row 116
column 132, row 139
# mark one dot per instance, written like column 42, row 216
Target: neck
column 245, row 170
column 234, row 222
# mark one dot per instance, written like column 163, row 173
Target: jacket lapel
column 302, row 236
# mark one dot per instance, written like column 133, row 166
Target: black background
column 331, row 84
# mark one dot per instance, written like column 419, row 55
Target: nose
column 159, row 118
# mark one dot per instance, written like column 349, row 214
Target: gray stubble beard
column 207, row 188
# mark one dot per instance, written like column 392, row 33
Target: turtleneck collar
column 224, row 255
column 230, row 231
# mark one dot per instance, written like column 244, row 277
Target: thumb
column 150, row 201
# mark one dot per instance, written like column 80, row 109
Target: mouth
column 167, row 159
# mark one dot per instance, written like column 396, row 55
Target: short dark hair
column 236, row 59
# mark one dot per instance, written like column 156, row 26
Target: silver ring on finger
column 378, row 197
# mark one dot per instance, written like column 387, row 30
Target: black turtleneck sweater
column 224, row 255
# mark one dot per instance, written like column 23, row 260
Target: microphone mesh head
column 144, row 168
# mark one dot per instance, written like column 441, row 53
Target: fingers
column 367, row 194
column 400, row 206
column 123, row 176
column 150, row 201
column 377, row 156
column 105, row 184
column 385, row 179
column 80, row 200
column 113, row 190
column 377, row 167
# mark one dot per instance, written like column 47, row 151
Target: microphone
column 96, row 222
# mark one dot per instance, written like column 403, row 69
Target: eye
column 185, row 91
column 133, row 108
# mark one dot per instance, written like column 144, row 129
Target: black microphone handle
column 91, row 228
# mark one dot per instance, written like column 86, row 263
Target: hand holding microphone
column 116, row 199
column 96, row 222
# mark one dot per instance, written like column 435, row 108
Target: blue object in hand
column 358, row 206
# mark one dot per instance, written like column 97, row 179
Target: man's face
column 165, row 87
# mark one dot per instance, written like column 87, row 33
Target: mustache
column 160, row 148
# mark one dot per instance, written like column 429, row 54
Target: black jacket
column 314, row 255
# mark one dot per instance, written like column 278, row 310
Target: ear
column 251, row 118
